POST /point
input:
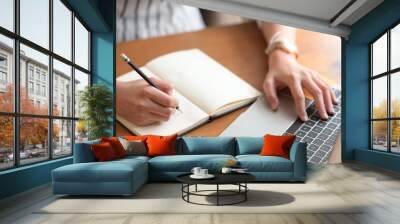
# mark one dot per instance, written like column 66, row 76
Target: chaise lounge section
column 125, row 176
column 88, row 177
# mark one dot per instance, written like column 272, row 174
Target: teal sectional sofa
column 125, row 176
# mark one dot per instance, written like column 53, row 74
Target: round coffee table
column 238, row 179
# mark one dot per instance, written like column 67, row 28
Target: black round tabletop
column 220, row 178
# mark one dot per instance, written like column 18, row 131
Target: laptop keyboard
column 319, row 135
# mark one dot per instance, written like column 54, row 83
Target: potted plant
column 96, row 103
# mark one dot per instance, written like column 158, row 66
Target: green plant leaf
column 96, row 102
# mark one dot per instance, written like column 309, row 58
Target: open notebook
column 204, row 88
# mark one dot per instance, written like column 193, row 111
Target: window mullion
column 50, row 81
column 371, row 142
column 389, row 101
column 16, row 85
column 73, row 82
column 89, row 61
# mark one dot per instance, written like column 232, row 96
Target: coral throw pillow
column 136, row 137
column 161, row 145
column 277, row 145
column 116, row 145
column 103, row 152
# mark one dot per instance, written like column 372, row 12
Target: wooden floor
column 351, row 181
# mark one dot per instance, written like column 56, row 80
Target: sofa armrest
column 83, row 152
column 298, row 155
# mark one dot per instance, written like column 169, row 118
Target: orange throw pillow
column 277, row 145
column 116, row 145
column 103, row 152
column 161, row 145
column 136, row 137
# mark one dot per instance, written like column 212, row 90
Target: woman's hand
column 142, row 104
column 285, row 71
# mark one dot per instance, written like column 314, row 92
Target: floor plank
column 354, row 182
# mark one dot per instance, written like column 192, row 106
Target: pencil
column 144, row 76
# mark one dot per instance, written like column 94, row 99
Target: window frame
column 388, row 74
column 16, row 115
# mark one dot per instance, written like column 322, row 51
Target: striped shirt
column 139, row 19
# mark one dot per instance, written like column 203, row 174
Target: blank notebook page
column 201, row 79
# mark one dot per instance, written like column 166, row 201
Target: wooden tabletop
column 240, row 48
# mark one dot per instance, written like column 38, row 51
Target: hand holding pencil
column 144, row 76
column 145, row 101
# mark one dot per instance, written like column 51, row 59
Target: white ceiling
column 326, row 16
column 321, row 9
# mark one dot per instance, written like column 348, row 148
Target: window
column 395, row 47
column 3, row 77
column 40, row 62
column 62, row 137
column 7, row 14
column 81, row 81
column 6, row 142
column 38, row 74
column 385, row 97
column 62, row 74
column 44, row 91
column 3, row 61
column 45, row 122
column 34, row 22
column 30, row 72
column 81, row 45
column 30, row 87
column 7, row 73
column 33, row 142
column 3, row 72
column 62, row 29
column 3, row 81
column 38, row 89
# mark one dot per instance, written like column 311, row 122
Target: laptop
column 319, row 135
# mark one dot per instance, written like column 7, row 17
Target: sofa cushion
column 206, row 145
column 257, row 163
column 185, row 163
column 248, row 145
column 83, row 152
column 133, row 158
column 112, row 171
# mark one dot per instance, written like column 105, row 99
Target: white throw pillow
column 134, row 147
